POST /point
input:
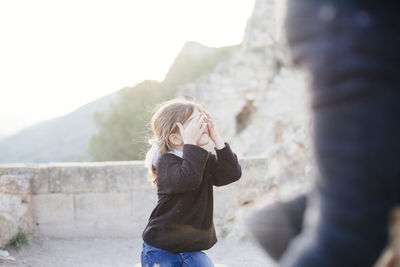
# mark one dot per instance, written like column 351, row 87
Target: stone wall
column 103, row 199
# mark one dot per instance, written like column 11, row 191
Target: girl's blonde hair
column 163, row 123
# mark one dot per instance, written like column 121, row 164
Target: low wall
column 105, row 199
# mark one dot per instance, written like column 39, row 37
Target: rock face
column 15, row 212
column 259, row 100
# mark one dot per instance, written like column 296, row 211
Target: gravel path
column 101, row 252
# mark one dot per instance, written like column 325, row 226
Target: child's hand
column 212, row 132
column 193, row 131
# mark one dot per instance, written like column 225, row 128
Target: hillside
column 60, row 139
column 66, row 138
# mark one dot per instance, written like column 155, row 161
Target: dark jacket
column 182, row 221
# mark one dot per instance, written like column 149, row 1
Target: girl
column 181, row 225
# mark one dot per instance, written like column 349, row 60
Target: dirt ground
column 101, row 252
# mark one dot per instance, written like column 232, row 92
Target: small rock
column 4, row 255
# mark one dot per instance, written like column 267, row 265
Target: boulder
column 15, row 212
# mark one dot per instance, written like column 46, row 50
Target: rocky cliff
column 259, row 99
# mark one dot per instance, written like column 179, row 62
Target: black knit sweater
column 182, row 221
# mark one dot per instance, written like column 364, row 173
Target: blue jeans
column 354, row 61
column 152, row 256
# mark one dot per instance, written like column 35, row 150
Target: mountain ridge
column 66, row 138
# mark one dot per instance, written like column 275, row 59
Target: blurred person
column 351, row 50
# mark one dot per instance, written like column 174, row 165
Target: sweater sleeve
column 175, row 175
column 225, row 166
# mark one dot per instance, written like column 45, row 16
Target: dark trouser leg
column 354, row 61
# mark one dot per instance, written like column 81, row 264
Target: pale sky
column 56, row 56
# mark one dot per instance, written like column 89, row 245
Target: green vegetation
column 17, row 241
column 124, row 128
column 224, row 233
column 194, row 61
